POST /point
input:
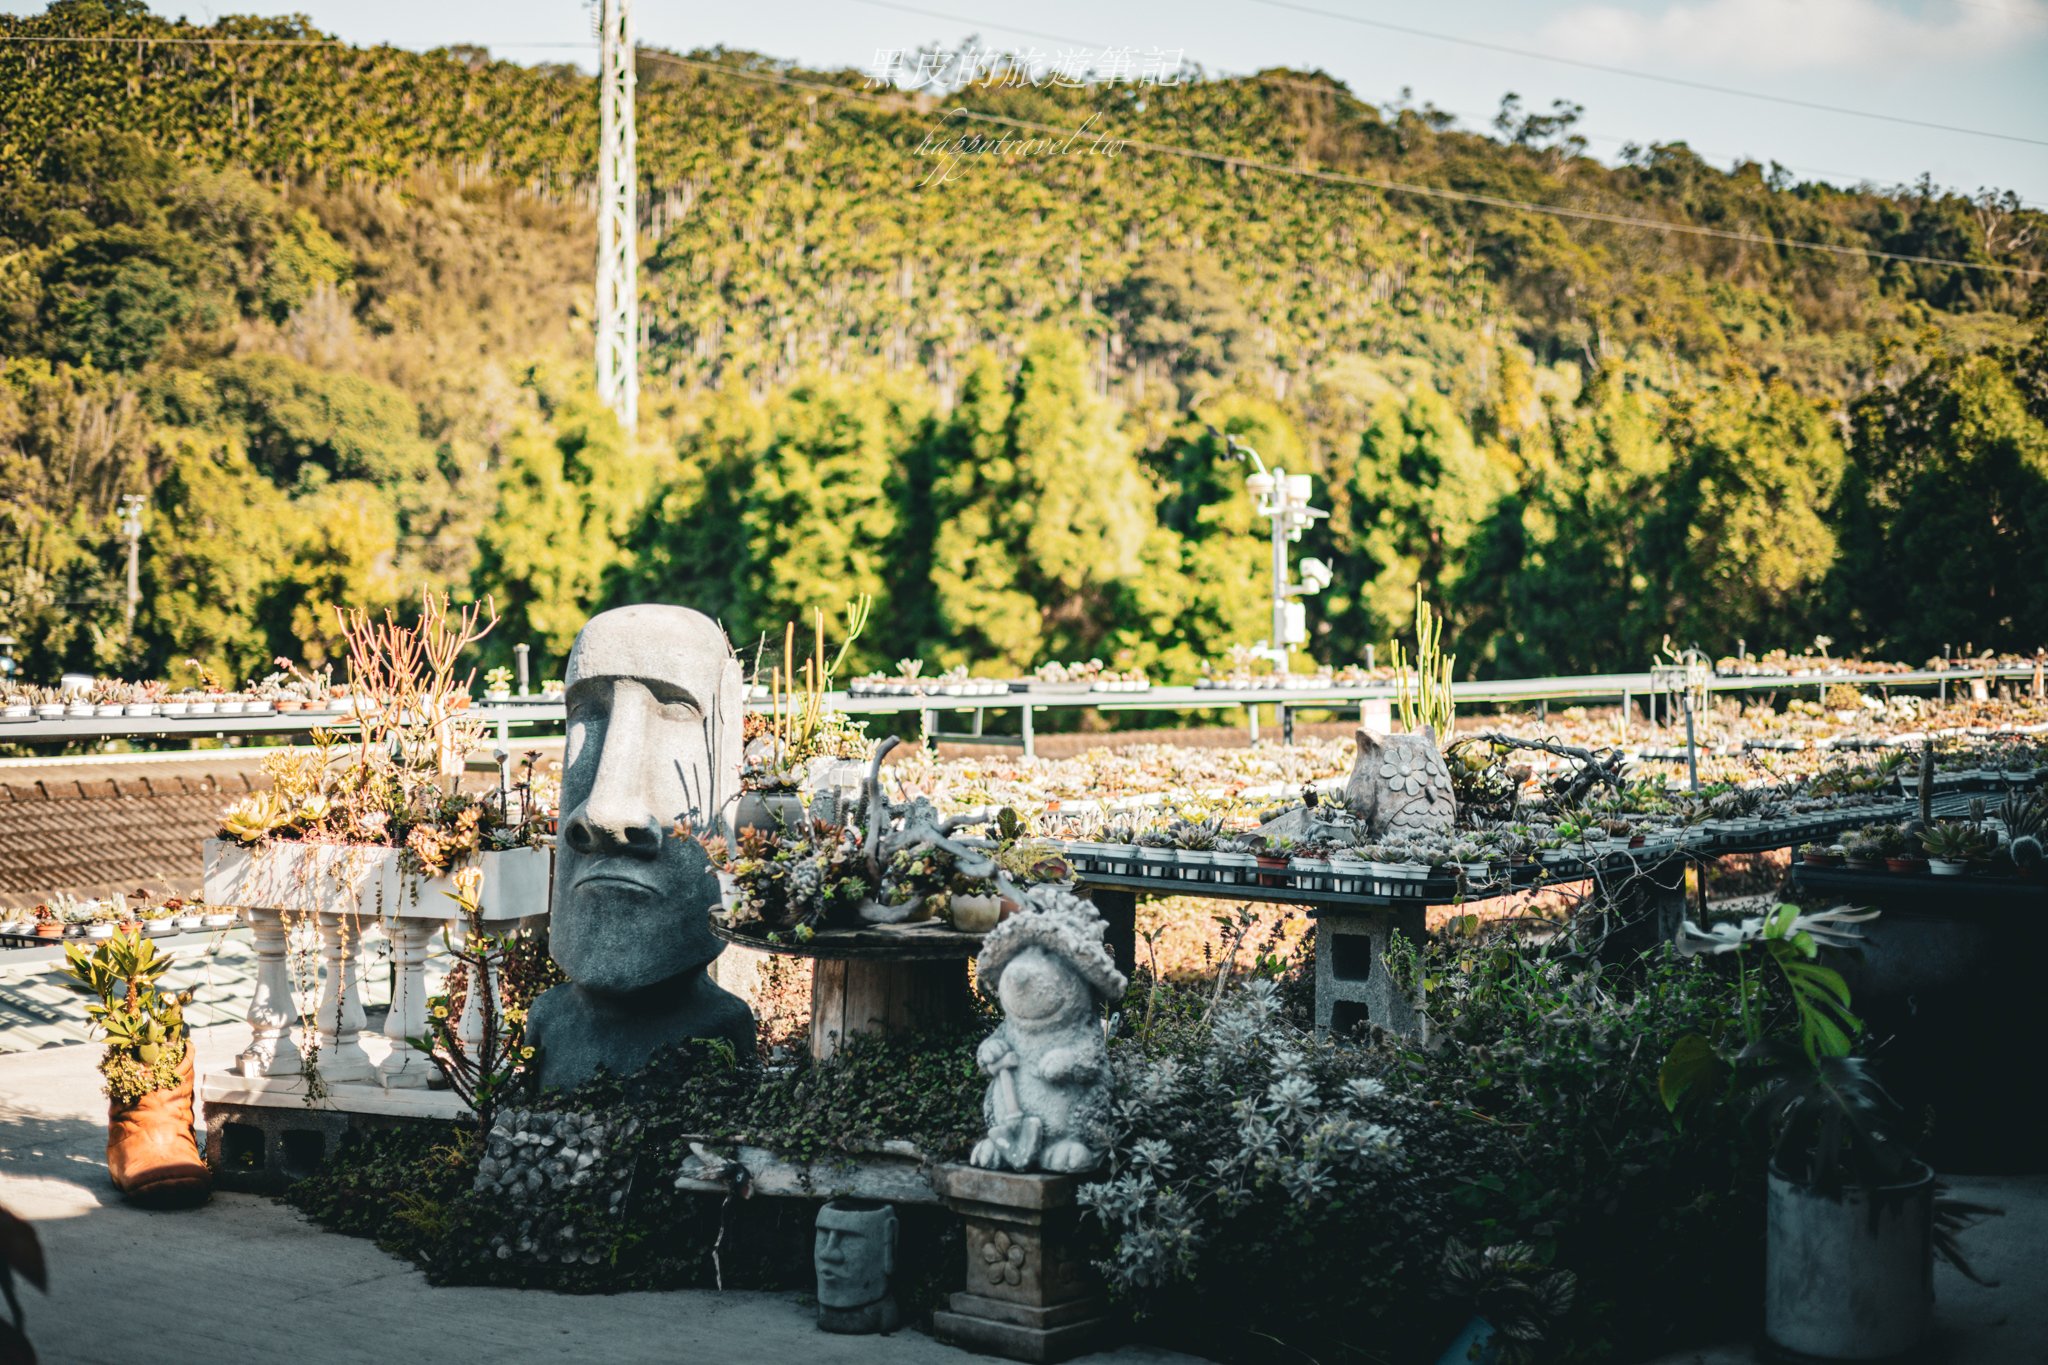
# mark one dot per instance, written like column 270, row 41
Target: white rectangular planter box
column 339, row 879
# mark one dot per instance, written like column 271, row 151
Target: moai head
column 855, row 1252
column 654, row 703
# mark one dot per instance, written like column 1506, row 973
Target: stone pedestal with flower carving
column 1031, row 1294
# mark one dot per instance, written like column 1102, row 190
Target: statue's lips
column 608, row 879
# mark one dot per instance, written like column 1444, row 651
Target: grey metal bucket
column 1848, row 1276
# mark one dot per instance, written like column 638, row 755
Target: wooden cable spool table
column 889, row 981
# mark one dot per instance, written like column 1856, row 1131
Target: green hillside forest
column 329, row 309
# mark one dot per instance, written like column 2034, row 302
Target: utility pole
column 131, row 527
column 618, row 233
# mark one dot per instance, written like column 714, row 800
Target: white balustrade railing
column 348, row 895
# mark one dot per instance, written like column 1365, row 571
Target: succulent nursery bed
column 1528, row 817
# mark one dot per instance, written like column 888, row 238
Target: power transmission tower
column 618, row 235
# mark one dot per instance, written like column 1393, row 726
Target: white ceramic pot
column 977, row 914
column 1235, row 868
column 1849, row 1276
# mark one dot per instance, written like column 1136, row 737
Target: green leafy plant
column 1820, row 1112
column 500, row 976
column 144, row 1025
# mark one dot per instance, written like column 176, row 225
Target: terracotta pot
column 51, row 929
column 151, row 1153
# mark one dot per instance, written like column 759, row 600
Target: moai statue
column 855, row 1257
column 655, row 709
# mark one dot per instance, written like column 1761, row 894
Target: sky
column 1978, row 67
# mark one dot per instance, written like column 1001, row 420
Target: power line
column 1239, row 162
column 157, row 40
column 140, row 40
column 1366, row 181
column 1318, row 88
column 1736, row 91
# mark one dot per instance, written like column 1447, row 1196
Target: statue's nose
column 618, row 816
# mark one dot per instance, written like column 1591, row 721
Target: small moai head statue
column 855, row 1257
column 1401, row 785
column 855, row 1252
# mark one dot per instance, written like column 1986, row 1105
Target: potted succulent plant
column 498, row 684
column 976, row 907
column 151, row 1153
column 1952, row 844
column 1272, row 857
column 1865, row 848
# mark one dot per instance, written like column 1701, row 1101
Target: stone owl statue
column 1400, row 785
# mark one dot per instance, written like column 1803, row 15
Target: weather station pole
column 1282, row 498
column 618, row 233
column 131, row 527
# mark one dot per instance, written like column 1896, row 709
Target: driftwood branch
column 1594, row 768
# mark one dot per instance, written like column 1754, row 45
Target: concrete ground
column 247, row 1279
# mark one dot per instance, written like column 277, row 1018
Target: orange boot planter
column 151, row 1152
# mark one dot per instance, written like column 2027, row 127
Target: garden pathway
column 247, row 1279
